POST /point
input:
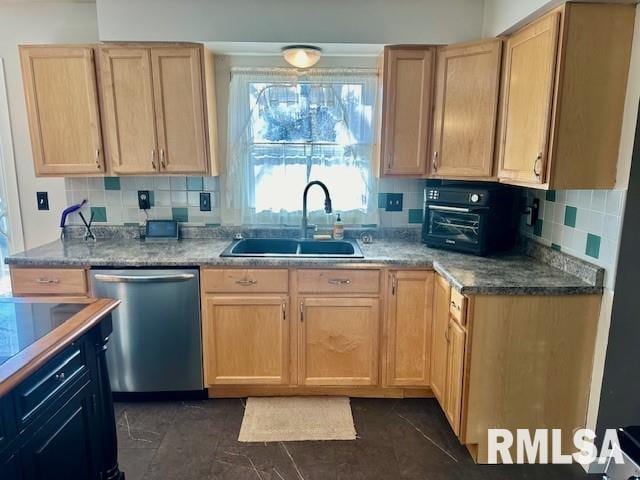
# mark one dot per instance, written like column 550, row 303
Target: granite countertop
column 507, row 274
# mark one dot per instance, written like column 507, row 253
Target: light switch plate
column 205, row 202
column 43, row 200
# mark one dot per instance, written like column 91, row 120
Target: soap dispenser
column 338, row 229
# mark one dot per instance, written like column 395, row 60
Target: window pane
column 308, row 131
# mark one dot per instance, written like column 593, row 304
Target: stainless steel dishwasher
column 156, row 344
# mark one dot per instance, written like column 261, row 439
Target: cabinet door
column 408, row 86
column 62, row 109
column 338, row 341
column 455, row 368
column 409, row 324
column 528, row 100
column 466, row 105
column 246, row 339
column 65, row 447
column 179, row 101
column 129, row 117
column 441, row 298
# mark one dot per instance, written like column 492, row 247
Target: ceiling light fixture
column 301, row 56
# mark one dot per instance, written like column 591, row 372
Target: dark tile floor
column 397, row 439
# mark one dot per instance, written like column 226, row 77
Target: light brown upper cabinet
column 465, row 110
column 129, row 112
column 62, row 108
column 409, row 322
column 155, row 111
column 406, row 109
column 179, row 98
column 563, row 97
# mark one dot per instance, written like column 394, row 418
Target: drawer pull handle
column 339, row 281
column 47, row 281
column 60, row 376
column 246, row 282
column 455, row 305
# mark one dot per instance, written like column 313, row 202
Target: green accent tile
column 551, row 196
column 112, row 183
column 212, row 224
column 99, row 214
column 415, row 215
column 555, row 246
column 180, row 214
column 195, row 184
column 570, row 214
column 131, row 224
column 537, row 228
column 369, row 225
column 382, row 200
column 593, row 246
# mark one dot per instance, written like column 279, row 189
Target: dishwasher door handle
column 180, row 277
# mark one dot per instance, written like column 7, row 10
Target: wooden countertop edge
column 19, row 367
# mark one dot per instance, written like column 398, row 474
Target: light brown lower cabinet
column 409, row 328
column 492, row 361
column 37, row 281
column 338, row 341
column 448, row 347
column 452, row 405
column 246, row 339
column 441, row 298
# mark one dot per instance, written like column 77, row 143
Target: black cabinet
column 65, row 446
column 59, row 422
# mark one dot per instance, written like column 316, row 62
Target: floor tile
column 144, row 424
column 397, row 439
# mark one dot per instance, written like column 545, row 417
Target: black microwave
column 471, row 217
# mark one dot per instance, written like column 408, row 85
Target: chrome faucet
column 327, row 203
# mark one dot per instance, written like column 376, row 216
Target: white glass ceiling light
column 301, row 56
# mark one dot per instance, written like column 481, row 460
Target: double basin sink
column 283, row 247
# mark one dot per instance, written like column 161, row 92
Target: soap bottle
column 338, row 229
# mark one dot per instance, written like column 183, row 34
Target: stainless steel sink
column 282, row 247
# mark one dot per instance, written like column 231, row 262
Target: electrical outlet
column 43, row 200
column 205, row 202
column 144, row 200
column 394, row 202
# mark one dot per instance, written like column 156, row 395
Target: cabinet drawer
column 458, row 306
column 244, row 281
column 338, row 281
column 48, row 281
column 42, row 388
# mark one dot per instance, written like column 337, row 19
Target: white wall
column 48, row 22
column 501, row 15
column 326, row 21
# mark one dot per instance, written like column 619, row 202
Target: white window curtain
column 286, row 129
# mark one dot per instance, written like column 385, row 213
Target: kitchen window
column 286, row 130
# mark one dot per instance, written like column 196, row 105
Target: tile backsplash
column 583, row 223
column 114, row 200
